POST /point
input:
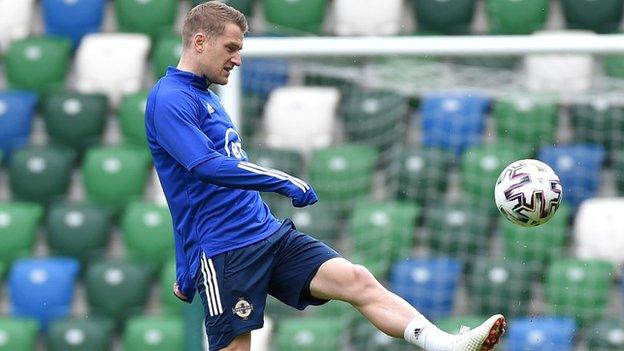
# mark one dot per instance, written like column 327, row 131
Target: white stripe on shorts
column 213, row 297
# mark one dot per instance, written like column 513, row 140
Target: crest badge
column 242, row 308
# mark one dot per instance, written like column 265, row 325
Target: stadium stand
column 516, row 17
column 444, row 17
column 73, row 19
column 541, row 334
column 17, row 109
column 597, row 230
column 15, row 19
column 143, row 333
column 19, row 222
column 19, row 333
column 79, row 334
column 368, row 18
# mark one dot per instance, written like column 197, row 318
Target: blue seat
column 260, row 76
column 72, row 19
column 42, row 288
column 17, row 110
column 453, row 121
column 416, row 279
column 540, row 334
column 578, row 166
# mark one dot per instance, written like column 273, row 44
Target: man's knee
column 362, row 280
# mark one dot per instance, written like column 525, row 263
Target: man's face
column 221, row 54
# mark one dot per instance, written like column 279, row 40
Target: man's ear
column 199, row 42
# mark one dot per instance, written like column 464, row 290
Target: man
column 229, row 247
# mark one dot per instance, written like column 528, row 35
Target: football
column 528, row 192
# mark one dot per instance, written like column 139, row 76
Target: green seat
column 166, row 53
column 343, row 174
column 579, row 289
column 319, row 221
column 169, row 303
column 618, row 166
column 614, row 65
column 481, row 166
column 383, row 231
column 444, row 17
column 499, row 286
column 293, row 17
column 75, row 120
column 80, row 334
column 365, row 337
column 132, row 119
column 38, row 64
column 41, row 174
column 516, row 17
column 19, row 222
column 154, row 17
column 452, row 324
column 422, row 174
column 151, row 333
column 244, row 6
column 78, row 230
column 598, row 123
column 600, row 16
column 308, row 334
column 20, row 334
column 458, row 229
column 536, row 246
column 147, row 234
column 607, row 335
column 116, row 289
column 252, row 106
column 114, row 177
column 525, row 121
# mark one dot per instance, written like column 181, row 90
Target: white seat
column 301, row 118
column 111, row 63
column 367, row 17
column 15, row 21
column 599, row 230
column 560, row 73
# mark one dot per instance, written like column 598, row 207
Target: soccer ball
column 528, row 192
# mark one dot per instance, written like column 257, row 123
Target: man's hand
column 305, row 199
column 178, row 293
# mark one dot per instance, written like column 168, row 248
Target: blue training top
column 205, row 174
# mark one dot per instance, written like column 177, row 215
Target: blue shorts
column 234, row 285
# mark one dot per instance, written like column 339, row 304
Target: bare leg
column 240, row 343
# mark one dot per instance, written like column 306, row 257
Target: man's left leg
column 339, row 279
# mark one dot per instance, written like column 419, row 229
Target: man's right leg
column 240, row 343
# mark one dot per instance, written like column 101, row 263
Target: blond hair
column 211, row 18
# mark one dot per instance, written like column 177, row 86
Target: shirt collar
column 189, row 77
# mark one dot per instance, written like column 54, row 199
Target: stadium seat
column 365, row 337
column 579, row 289
column 42, row 288
column 526, row 121
column 613, row 66
column 567, row 161
column 560, row 73
column 295, row 17
column 599, row 16
column 499, row 286
column 453, row 121
column 131, row 116
column 423, row 174
column 599, row 122
column 458, row 229
column 310, row 334
column 78, row 334
column 367, row 18
column 15, row 21
column 618, row 165
column 116, row 289
column 516, row 17
column 149, row 17
column 115, row 176
column 41, row 174
column 38, row 64
column 72, row 19
column 75, row 120
column 260, row 76
column 17, row 110
column 415, row 279
column 78, row 230
column 599, row 230
column 19, row 222
column 607, row 335
column 383, row 231
column 481, row 166
column 319, row 221
column 301, row 118
column 150, row 333
column 18, row 334
column 147, row 234
column 536, row 246
column 111, row 63
column 343, row 174
column 540, row 334
column 167, row 51
column 444, row 17
column 244, row 6
column 170, row 304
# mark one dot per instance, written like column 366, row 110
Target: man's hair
column 211, row 18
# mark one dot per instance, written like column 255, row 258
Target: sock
column 421, row 332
